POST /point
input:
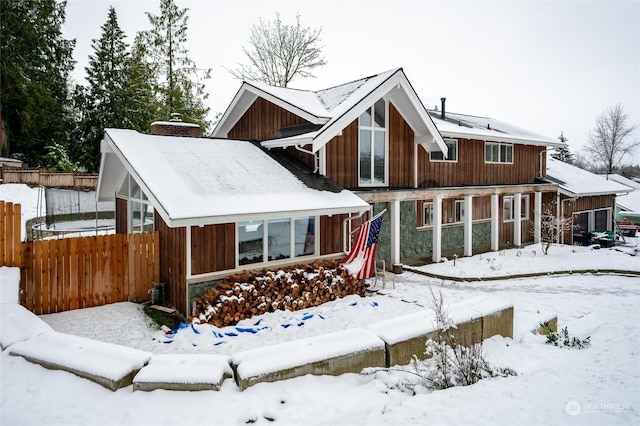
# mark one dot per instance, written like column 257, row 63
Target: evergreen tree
column 563, row 153
column 35, row 62
column 178, row 86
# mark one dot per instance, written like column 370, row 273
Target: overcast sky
column 546, row 66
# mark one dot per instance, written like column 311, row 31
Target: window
column 601, row 220
column 373, row 145
column 498, row 153
column 428, row 214
column 140, row 211
column 508, row 209
column 452, row 152
column 459, row 213
column 277, row 240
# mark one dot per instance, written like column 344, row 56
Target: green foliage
column 162, row 318
column 177, row 82
column 35, row 62
column 57, row 158
column 563, row 153
column 563, row 339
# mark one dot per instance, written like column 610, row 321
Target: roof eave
column 214, row 220
column 499, row 138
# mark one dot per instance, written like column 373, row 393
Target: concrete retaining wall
column 347, row 351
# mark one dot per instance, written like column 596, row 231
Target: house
column 587, row 199
column 219, row 206
column 627, row 206
column 452, row 184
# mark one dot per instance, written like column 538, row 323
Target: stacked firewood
column 247, row 294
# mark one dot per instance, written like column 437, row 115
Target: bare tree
column 552, row 226
column 609, row 142
column 279, row 52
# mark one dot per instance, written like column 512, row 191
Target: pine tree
column 178, row 85
column 562, row 153
column 35, row 62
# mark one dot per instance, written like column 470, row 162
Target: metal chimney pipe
column 442, row 113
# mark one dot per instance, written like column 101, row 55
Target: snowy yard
column 594, row 386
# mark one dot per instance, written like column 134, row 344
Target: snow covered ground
column 599, row 385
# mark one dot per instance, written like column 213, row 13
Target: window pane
column 459, row 211
column 509, row 158
column 135, row 217
column 487, row 152
column 601, row 220
column 135, row 189
column 503, row 153
column 524, row 207
column 379, row 157
column 436, row 156
column 452, row 153
column 580, row 223
column 365, row 118
column 365, row 156
column 148, row 218
column 279, row 239
column 379, row 113
column 507, row 208
column 305, row 236
column 428, row 214
column 250, row 242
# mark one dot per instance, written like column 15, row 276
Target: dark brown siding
column 173, row 264
column 401, row 151
column 470, row 169
column 121, row 216
column 213, row 248
column 342, row 157
column 262, row 120
column 331, row 234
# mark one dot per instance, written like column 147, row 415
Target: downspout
column 316, row 160
column 544, row 151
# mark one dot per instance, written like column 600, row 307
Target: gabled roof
column 631, row 201
column 335, row 108
column 576, row 182
column 200, row 181
column 487, row 129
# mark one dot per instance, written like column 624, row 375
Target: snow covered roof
column 631, row 201
column 198, row 181
column 335, row 108
column 488, row 129
column 576, row 182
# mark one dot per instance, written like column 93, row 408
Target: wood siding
column 121, row 216
column 173, row 272
column 331, row 234
column 213, row 248
column 471, row 169
column 261, row 120
column 401, row 151
column 342, row 157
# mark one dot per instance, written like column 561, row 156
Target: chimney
column 175, row 127
column 442, row 113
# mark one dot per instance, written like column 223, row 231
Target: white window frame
column 126, row 193
column 265, row 242
column 524, row 209
column 609, row 218
column 448, row 159
column 499, row 160
column 458, row 211
column 372, row 129
column 427, row 217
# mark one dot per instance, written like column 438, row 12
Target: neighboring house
column 587, row 199
column 452, row 184
column 220, row 206
column 627, row 206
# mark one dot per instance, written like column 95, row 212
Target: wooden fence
column 48, row 178
column 72, row 273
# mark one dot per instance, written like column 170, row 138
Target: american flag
column 360, row 262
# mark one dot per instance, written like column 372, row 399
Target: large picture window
column 498, row 153
column 373, row 145
column 140, row 211
column 277, row 238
